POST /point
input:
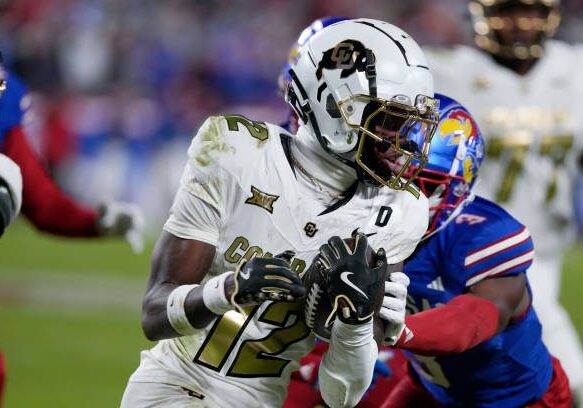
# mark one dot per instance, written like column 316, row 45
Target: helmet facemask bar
column 392, row 136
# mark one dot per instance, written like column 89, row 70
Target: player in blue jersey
column 471, row 335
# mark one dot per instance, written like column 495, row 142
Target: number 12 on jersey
column 255, row 357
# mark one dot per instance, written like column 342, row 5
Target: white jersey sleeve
column 199, row 205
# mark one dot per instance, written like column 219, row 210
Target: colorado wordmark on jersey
column 239, row 193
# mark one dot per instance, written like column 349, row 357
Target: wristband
column 213, row 295
column 175, row 310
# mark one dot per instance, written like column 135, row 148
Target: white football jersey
column 239, row 171
column 533, row 129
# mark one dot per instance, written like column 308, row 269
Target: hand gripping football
column 319, row 307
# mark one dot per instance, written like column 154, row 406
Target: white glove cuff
column 175, row 310
column 213, row 295
column 352, row 334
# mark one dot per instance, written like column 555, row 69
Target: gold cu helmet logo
column 342, row 55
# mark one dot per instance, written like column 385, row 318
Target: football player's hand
column 262, row 279
column 393, row 308
column 352, row 284
column 125, row 220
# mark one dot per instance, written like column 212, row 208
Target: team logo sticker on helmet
column 458, row 123
column 349, row 56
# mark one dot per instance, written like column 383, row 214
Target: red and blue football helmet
column 455, row 155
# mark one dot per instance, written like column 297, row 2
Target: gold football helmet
column 489, row 24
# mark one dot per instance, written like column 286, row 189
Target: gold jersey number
column 516, row 149
column 258, row 130
column 255, row 357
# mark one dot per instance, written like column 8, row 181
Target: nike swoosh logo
column 368, row 235
column 245, row 275
column 344, row 278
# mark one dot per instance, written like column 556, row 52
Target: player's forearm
column 347, row 368
column 174, row 303
column 155, row 321
column 462, row 323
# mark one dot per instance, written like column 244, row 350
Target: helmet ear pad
column 332, row 107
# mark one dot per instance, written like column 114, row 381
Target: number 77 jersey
column 239, row 193
column 533, row 129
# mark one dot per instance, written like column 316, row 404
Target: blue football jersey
column 13, row 105
column 510, row 369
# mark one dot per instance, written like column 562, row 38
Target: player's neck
column 520, row 67
column 329, row 172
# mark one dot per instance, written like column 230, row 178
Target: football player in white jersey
column 525, row 91
column 249, row 191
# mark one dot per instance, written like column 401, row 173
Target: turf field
column 69, row 317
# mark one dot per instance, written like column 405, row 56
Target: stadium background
column 118, row 87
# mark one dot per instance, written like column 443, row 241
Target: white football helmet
column 362, row 86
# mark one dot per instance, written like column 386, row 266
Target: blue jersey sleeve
column 13, row 105
column 502, row 247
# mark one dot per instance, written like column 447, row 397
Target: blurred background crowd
column 118, row 87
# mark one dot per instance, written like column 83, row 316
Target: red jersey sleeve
column 44, row 204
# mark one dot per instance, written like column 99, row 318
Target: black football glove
column 262, row 279
column 352, row 284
